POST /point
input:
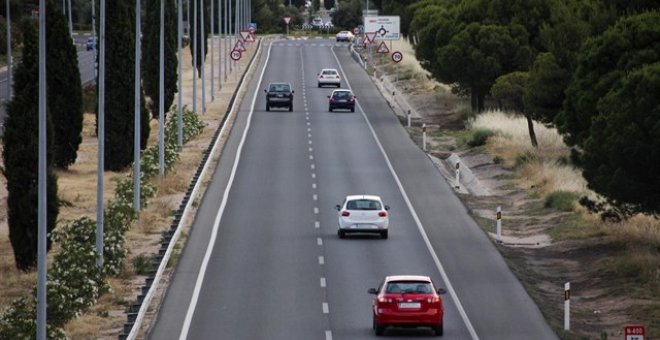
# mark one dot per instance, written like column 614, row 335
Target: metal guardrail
column 136, row 312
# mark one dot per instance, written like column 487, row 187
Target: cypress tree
column 64, row 89
column 207, row 29
column 21, row 156
column 151, row 54
column 119, row 86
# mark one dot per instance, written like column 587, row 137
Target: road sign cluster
column 239, row 46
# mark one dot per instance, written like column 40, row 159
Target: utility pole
column 203, row 56
column 101, row 141
column 194, row 42
column 70, row 20
column 179, row 109
column 161, row 95
column 219, row 45
column 136, row 111
column 9, row 56
column 42, row 265
column 212, row 49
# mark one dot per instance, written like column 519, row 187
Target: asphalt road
column 276, row 268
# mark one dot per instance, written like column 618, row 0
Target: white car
column 363, row 214
column 329, row 76
column 344, row 36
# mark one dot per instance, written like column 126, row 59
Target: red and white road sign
column 382, row 48
column 635, row 332
column 239, row 46
column 369, row 37
column 287, row 19
column 356, row 31
column 245, row 35
column 397, row 57
column 235, row 55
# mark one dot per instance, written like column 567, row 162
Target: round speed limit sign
column 397, row 56
column 236, row 55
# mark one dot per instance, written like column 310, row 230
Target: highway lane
column 278, row 270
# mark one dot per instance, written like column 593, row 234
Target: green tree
column 120, row 88
column 477, row 55
column 21, row 157
column 348, row 14
column 621, row 153
column 511, row 87
column 64, row 89
column 151, row 54
column 544, row 94
column 633, row 42
column 433, row 25
column 207, row 29
column 328, row 4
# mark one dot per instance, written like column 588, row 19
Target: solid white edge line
column 202, row 272
column 175, row 237
column 438, row 264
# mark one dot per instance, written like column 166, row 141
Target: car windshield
column 409, row 287
column 363, row 205
column 279, row 88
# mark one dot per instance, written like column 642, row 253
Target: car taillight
column 383, row 299
column 337, row 76
column 382, row 214
column 434, row 299
column 352, row 100
column 332, row 100
column 345, row 213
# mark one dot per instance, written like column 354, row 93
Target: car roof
column 279, row 83
column 341, row 90
column 360, row 197
column 329, row 69
column 407, row 278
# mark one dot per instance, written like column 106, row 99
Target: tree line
column 65, row 102
column 590, row 68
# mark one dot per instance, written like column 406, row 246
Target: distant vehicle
column 329, row 76
column 279, row 95
column 344, row 36
column 408, row 301
column 317, row 22
column 363, row 214
column 341, row 99
column 90, row 44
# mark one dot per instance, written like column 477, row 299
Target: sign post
column 287, row 19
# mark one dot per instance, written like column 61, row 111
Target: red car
column 407, row 301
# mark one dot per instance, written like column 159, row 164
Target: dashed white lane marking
column 311, row 149
column 319, row 241
column 316, row 210
column 307, row 117
column 317, row 224
column 313, row 166
column 309, row 129
column 313, row 185
column 328, row 335
column 309, row 123
column 325, row 307
column 313, row 175
column 309, row 135
column 321, row 260
column 315, row 197
column 323, row 282
column 311, row 158
column 309, row 142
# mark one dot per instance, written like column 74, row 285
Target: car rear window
column 409, row 287
column 329, row 72
column 279, row 88
column 363, row 205
column 342, row 95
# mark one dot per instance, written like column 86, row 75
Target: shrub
column 561, row 200
column 19, row 321
column 524, row 158
column 141, row 264
column 479, row 137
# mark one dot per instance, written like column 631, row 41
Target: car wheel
column 352, row 109
column 380, row 330
column 438, row 330
column 319, row 85
column 341, row 233
column 267, row 107
column 383, row 234
column 330, row 109
column 290, row 108
column 338, row 85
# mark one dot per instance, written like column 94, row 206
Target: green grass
column 141, row 264
column 574, row 227
column 479, row 137
column 561, row 200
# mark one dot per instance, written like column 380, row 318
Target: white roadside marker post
column 424, row 136
column 499, row 224
column 567, row 306
column 408, row 118
column 458, row 175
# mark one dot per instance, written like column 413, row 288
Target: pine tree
column 207, row 29
column 151, row 54
column 21, row 156
column 64, row 89
column 119, row 86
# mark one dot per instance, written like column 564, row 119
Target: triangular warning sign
column 250, row 38
column 239, row 46
column 245, row 35
column 382, row 48
column 369, row 37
